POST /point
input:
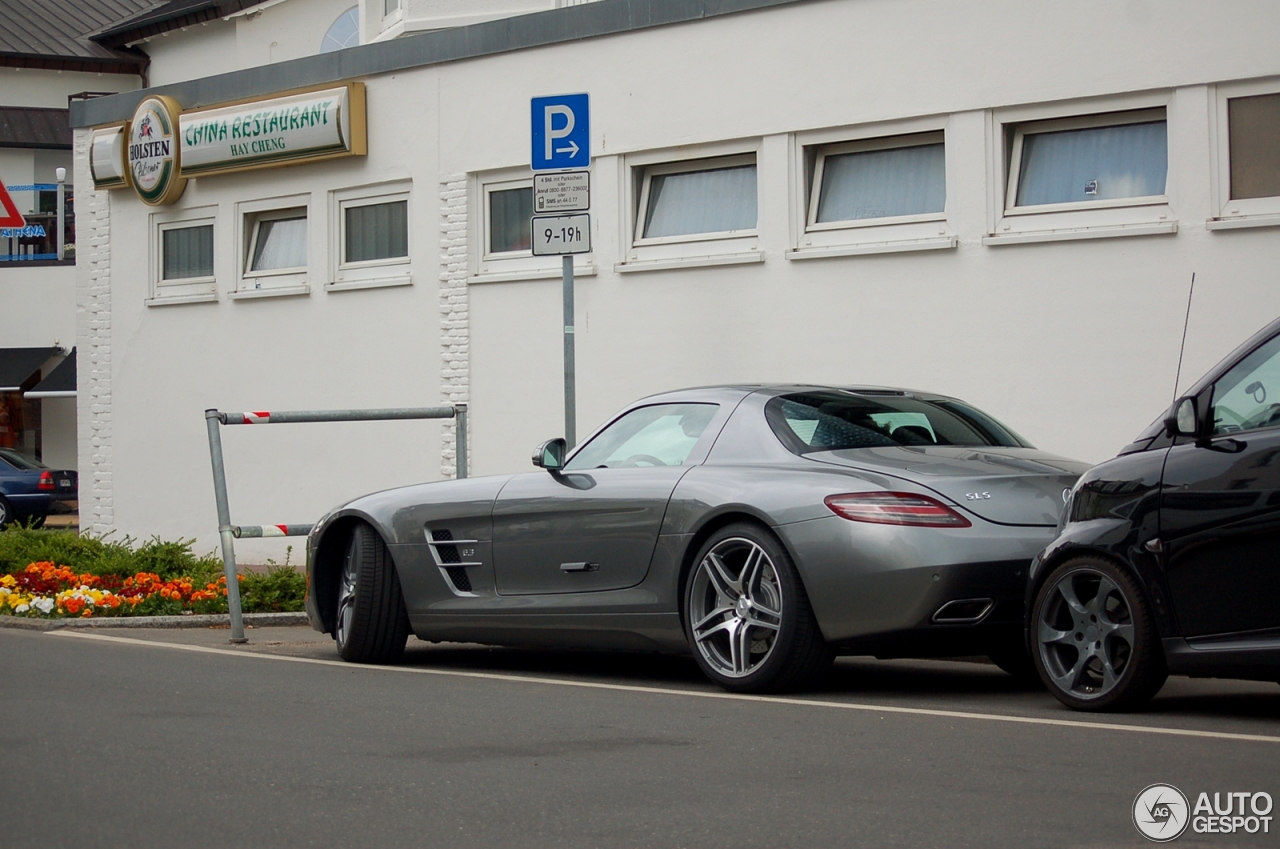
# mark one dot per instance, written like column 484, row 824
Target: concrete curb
column 257, row 620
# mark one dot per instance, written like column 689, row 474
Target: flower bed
column 49, row 591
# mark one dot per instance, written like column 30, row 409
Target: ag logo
column 1160, row 812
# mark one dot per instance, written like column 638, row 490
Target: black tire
column 1012, row 657
column 1095, row 644
column 756, row 631
column 370, row 623
column 6, row 512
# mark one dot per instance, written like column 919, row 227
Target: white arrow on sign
column 572, row 149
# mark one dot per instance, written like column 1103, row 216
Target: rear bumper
column 877, row 585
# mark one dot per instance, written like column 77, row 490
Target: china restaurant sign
column 162, row 146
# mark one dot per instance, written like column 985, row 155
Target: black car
column 1168, row 556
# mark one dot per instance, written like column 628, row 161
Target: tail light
column 46, row 481
column 895, row 508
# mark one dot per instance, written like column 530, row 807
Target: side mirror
column 550, row 455
column 1185, row 419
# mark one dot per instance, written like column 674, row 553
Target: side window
column 661, row 435
column 1248, row 396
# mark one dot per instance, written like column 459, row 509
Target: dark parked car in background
column 28, row 488
column 763, row 529
column 1168, row 560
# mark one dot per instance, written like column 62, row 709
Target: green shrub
column 280, row 589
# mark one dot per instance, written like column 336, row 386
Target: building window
column 371, row 244
column 344, row 32
column 279, row 242
column 274, row 251
column 186, row 253
column 1115, row 159
column 699, row 199
column 1253, row 126
column 508, row 209
column 874, row 179
column 375, row 231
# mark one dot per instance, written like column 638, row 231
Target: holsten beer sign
column 164, row 146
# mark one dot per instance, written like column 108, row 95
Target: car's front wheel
column 1096, row 646
column 370, row 623
column 747, row 616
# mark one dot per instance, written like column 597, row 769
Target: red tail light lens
column 895, row 508
column 46, row 481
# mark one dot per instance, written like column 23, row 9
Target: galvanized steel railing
column 229, row 533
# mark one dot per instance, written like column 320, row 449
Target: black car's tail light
column 895, row 508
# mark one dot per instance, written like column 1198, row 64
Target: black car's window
column 20, row 461
column 660, row 435
column 831, row 421
column 1248, row 396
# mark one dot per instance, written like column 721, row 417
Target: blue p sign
column 561, row 132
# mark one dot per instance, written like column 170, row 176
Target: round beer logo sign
column 153, row 151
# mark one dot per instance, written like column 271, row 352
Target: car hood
column 1011, row 486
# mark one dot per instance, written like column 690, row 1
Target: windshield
column 836, row 420
column 20, row 461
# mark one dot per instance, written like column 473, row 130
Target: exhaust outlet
column 967, row 611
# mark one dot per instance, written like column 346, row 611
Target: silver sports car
column 765, row 529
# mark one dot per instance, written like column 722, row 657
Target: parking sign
column 561, row 132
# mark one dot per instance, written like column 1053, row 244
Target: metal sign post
column 561, row 141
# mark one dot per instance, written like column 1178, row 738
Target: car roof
column 737, row 391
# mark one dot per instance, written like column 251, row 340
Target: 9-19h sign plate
column 561, row 234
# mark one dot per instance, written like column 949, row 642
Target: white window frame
column 1009, row 224
column 1082, row 122
column 186, row 290
column 373, row 273
column 279, row 282
column 730, row 247
column 510, row 266
column 1244, row 212
column 812, row 240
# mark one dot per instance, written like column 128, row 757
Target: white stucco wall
column 277, row 33
column 34, row 87
column 37, row 306
column 1072, row 343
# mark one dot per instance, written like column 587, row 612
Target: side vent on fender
column 444, row 548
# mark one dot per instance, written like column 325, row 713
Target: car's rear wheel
column 370, row 622
column 747, row 617
column 6, row 512
column 1096, row 644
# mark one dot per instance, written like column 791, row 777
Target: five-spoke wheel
column 1096, row 646
column 747, row 616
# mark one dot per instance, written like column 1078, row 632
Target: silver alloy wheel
column 346, row 599
column 735, row 607
column 1085, row 633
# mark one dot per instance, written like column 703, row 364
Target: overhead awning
column 59, row 383
column 17, row 365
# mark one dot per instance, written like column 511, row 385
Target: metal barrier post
column 460, row 439
column 224, row 526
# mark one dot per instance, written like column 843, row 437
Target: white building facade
column 1000, row 201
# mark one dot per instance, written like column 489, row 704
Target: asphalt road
column 177, row 739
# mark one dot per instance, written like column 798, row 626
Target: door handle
column 579, row 567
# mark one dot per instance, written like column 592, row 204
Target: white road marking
column 667, row 691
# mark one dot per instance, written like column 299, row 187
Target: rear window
column 20, row 461
column 836, row 420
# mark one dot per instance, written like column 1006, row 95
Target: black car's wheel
column 370, row 625
column 6, row 512
column 747, row 616
column 1096, row 645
